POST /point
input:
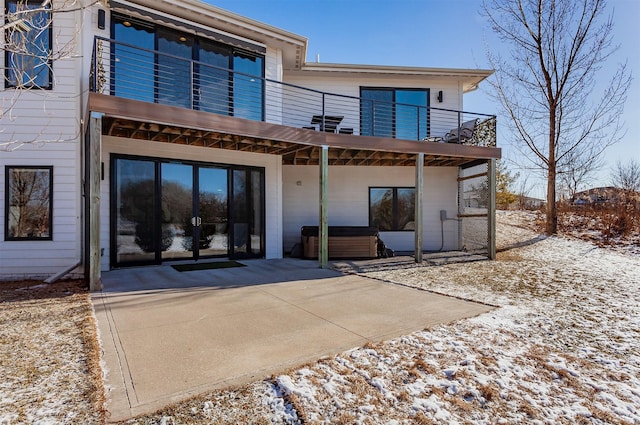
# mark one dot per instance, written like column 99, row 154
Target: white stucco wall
column 273, row 176
column 348, row 203
column 42, row 128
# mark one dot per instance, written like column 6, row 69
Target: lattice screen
column 474, row 208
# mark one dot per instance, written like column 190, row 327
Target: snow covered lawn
column 563, row 348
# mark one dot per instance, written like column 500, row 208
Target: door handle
column 199, row 221
column 196, row 221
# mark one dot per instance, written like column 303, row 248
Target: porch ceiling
column 140, row 120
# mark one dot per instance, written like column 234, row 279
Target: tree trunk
column 552, row 211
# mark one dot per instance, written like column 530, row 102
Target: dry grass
column 49, row 354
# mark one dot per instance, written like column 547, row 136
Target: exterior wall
column 348, row 204
column 349, row 85
column 43, row 128
column 273, row 178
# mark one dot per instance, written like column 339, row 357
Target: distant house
column 596, row 195
column 181, row 131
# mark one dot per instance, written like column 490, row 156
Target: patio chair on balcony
column 464, row 133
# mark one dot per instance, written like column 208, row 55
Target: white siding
column 348, row 203
column 273, row 178
column 42, row 128
column 440, row 121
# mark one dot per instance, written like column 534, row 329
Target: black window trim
column 393, row 90
column 195, row 52
column 7, row 53
column 394, row 207
column 8, row 169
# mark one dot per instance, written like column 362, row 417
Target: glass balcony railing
column 124, row 70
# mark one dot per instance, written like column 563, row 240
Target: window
column 28, row 203
column 397, row 113
column 28, row 44
column 392, row 208
column 152, row 63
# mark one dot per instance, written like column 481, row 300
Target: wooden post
column 491, row 183
column 418, row 208
column 323, row 229
column 95, row 146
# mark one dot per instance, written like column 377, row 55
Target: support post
column 491, row 183
column 323, row 228
column 418, row 208
column 94, row 167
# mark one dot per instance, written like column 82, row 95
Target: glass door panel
column 132, row 75
column 135, row 204
column 177, row 218
column 377, row 113
column 247, row 89
column 240, row 211
column 173, row 80
column 213, row 79
column 411, row 114
column 257, row 214
column 213, row 212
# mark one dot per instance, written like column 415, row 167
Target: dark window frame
column 234, row 51
column 7, row 54
column 393, row 91
column 395, row 218
column 7, row 203
column 158, row 161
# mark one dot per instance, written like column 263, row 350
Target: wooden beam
column 323, row 242
column 418, row 208
column 491, row 183
column 95, row 168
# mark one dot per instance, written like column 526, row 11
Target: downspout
column 63, row 273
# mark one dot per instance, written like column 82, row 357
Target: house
column 164, row 130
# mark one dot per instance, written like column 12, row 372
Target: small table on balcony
column 328, row 123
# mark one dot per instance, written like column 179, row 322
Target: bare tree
column 546, row 86
column 626, row 176
column 31, row 46
column 579, row 169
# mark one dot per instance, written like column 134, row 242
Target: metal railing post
column 192, row 76
column 94, row 64
column 323, row 112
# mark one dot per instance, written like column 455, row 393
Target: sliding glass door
column 179, row 211
column 134, row 202
column 396, row 113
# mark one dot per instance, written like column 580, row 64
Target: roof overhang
column 190, row 15
column 470, row 78
column 140, row 120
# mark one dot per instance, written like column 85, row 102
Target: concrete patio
column 167, row 335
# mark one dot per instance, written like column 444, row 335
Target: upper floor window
column 162, row 65
column 28, row 44
column 396, row 113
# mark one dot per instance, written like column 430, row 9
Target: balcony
column 125, row 71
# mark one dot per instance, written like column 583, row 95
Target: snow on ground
column 48, row 355
column 564, row 347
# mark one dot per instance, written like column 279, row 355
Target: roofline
column 471, row 77
column 231, row 17
column 395, row 69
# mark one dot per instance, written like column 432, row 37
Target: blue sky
column 433, row 33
